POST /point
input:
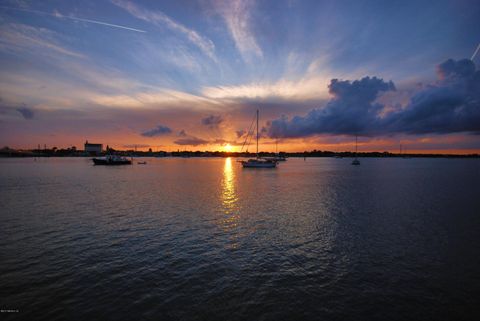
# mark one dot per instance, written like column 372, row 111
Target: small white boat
column 276, row 158
column 356, row 161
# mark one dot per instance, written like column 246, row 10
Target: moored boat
column 276, row 158
column 356, row 161
column 111, row 160
column 259, row 162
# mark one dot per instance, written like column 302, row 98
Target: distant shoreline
column 11, row 153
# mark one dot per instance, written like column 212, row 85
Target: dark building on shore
column 93, row 148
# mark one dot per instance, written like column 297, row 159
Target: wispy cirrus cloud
column 236, row 14
column 86, row 84
column 161, row 98
column 103, row 23
column 302, row 89
column 308, row 82
column 57, row 14
column 160, row 19
column 21, row 37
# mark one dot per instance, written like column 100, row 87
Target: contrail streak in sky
column 58, row 15
column 476, row 51
column 102, row 23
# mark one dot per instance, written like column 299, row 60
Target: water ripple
column 205, row 240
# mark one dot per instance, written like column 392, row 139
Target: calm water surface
column 204, row 239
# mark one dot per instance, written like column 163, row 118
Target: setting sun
column 228, row 148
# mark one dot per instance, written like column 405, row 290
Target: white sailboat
column 356, row 161
column 259, row 162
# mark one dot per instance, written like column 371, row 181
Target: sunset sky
column 171, row 75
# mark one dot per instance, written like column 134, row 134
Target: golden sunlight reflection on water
column 229, row 200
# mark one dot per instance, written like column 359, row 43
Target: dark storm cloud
column 240, row 133
column 191, row 141
column 26, row 112
column 196, row 141
column 451, row 104
column 212, row 121
column 352, row 110
column 452, row 70
column 157, row 131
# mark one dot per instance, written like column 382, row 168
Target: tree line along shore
column 73, row 152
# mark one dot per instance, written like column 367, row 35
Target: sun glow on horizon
column 228, row 148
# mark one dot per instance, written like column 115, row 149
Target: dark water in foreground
column 204, row 239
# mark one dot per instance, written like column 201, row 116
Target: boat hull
column 97, row 161
column 259, row 164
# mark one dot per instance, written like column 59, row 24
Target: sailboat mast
column 257, row 133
